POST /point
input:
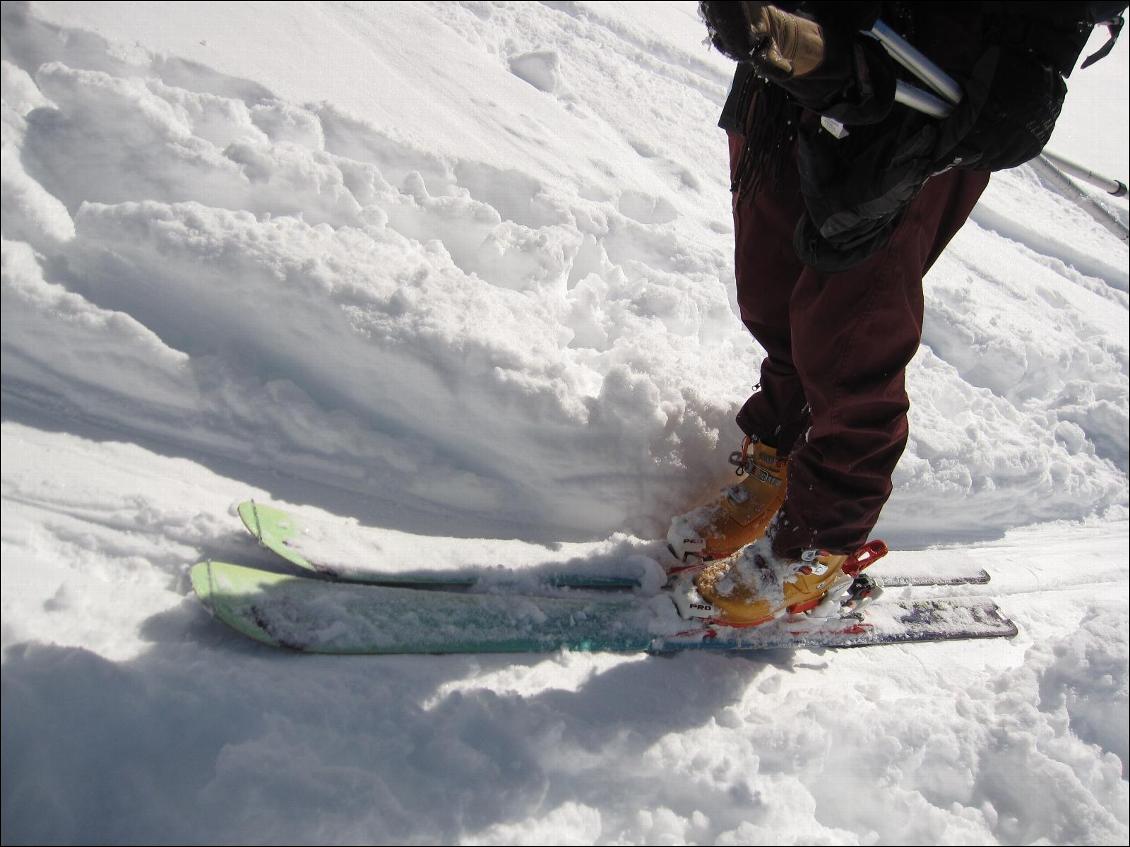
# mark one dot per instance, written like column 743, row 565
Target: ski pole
column 1106, row 183
column 907, row 95
column 920, row 65
column 915, row 61
column 921, row 101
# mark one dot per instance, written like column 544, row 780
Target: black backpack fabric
column 1011, row 65
column 1017, row 88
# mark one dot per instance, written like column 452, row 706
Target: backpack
column 856, row 188
column 1018, row 86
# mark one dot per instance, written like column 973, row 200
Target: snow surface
column 463, row 271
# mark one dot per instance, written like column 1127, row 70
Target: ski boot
column 754, row 586
column 737, row 517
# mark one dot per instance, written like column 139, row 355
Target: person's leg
column 766, row 270
column 853, row 334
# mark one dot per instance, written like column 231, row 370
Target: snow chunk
column 540, row 68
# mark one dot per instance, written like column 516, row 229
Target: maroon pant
column 832, row 394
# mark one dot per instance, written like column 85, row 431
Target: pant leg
column 853, row 334
column 767, row 270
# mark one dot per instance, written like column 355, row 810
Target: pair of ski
column 333, row 609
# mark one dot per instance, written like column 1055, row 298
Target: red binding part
column 864, row 557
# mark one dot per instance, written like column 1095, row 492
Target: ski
column 320, row 616
column 307, row 547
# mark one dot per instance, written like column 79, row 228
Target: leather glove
column 785, row 46
column 781, row 45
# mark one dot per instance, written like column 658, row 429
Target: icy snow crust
column 458, row 277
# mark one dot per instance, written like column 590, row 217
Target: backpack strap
column 1114, row 27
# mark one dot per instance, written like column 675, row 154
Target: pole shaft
column 916, row 62
column 921, row 101
column 1110, row 186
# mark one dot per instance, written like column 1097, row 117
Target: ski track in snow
column 498, row 308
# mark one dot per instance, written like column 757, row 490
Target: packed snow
column 456, row 278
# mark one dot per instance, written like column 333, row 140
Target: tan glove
column 786, row 46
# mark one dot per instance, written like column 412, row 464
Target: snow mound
column 456, row 279
column 314, row 293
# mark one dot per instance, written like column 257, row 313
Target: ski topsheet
column 317, row 616
column 341, row 551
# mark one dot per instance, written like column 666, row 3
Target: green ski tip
column 273, row 528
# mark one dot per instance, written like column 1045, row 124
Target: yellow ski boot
column 737, row 517
column 753, row 586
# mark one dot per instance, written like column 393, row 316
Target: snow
column 458, row 276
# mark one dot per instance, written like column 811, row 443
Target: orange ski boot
column 737, row 517
column 754, row 586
